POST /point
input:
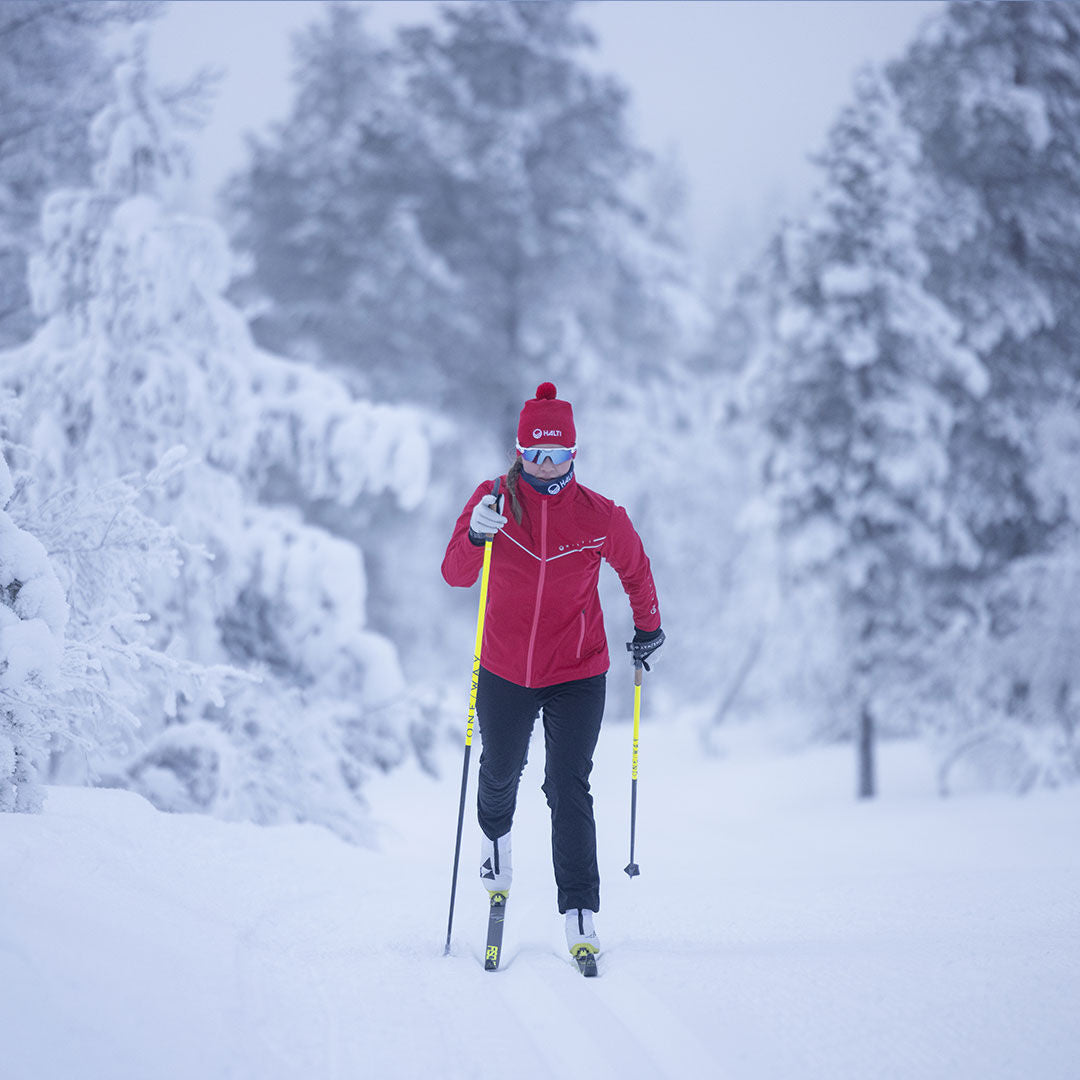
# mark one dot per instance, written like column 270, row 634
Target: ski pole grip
column 494, row 491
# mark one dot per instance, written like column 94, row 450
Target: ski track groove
column 588, row 1039
column 275, row 965
column 666, row 1035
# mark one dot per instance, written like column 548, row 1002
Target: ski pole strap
column 489, row 537
column 645, row 643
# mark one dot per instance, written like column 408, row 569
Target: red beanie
column 546, row 421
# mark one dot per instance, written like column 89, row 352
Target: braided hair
column 512, row 476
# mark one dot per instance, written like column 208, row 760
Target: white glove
column 486, row 519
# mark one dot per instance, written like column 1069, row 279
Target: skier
column 544, row 648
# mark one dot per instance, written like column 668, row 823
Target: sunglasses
column 557, row 455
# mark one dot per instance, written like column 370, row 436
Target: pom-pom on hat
column 546, row 421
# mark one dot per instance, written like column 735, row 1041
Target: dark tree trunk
column 867, row 772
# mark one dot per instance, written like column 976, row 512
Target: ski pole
column 470, row 716
column 632, row 869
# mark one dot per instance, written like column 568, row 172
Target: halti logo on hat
column 538, row 433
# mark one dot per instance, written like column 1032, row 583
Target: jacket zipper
column 539, row 591
column 581, row 636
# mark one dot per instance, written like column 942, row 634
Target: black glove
column 645, row 643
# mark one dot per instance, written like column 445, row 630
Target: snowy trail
column 778, row 930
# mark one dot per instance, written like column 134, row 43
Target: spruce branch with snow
column 33, row 618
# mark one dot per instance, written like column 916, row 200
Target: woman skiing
column 544, row 648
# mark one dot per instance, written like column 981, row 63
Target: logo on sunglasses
column 539, row 433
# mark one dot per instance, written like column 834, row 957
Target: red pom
column 546, row 390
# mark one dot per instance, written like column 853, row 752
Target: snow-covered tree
column 340, row 272
column 101, row 547
column 454, row 216
column 53, row 78
column 33, row 617
column 140, row 354
column 863, row 381
column 994, row 91
column 913, row 354
column 526, row 191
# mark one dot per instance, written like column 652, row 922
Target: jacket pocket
column 581, row 636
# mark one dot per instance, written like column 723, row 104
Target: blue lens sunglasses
column 557, row 455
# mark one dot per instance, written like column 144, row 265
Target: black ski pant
column 572, row 712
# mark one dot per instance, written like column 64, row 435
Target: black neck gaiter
column 552, row 486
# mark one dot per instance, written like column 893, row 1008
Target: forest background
column 234, row 444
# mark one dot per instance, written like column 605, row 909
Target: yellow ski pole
column 470, row 717
column 631, row 867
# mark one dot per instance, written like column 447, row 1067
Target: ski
column 496, row 917
column 586, row 961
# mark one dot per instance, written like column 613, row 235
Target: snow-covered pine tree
column 997, row 238
column 994, row 91
column 340, row 274
column 140, row 354
column 452, row 217
column 53, row 78
column 862, row 385
column 526, row 175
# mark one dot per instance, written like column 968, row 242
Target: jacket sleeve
column 626, row 555
column 463, row 559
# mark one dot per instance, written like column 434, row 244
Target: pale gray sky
column 740, row 91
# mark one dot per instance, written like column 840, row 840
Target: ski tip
column 632, row 870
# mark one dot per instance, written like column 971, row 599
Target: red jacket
column 543, row 623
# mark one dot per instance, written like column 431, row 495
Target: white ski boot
column 495, row 866
column 580, row 931
column 581, row 940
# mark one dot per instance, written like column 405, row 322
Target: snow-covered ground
column 778, row 929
